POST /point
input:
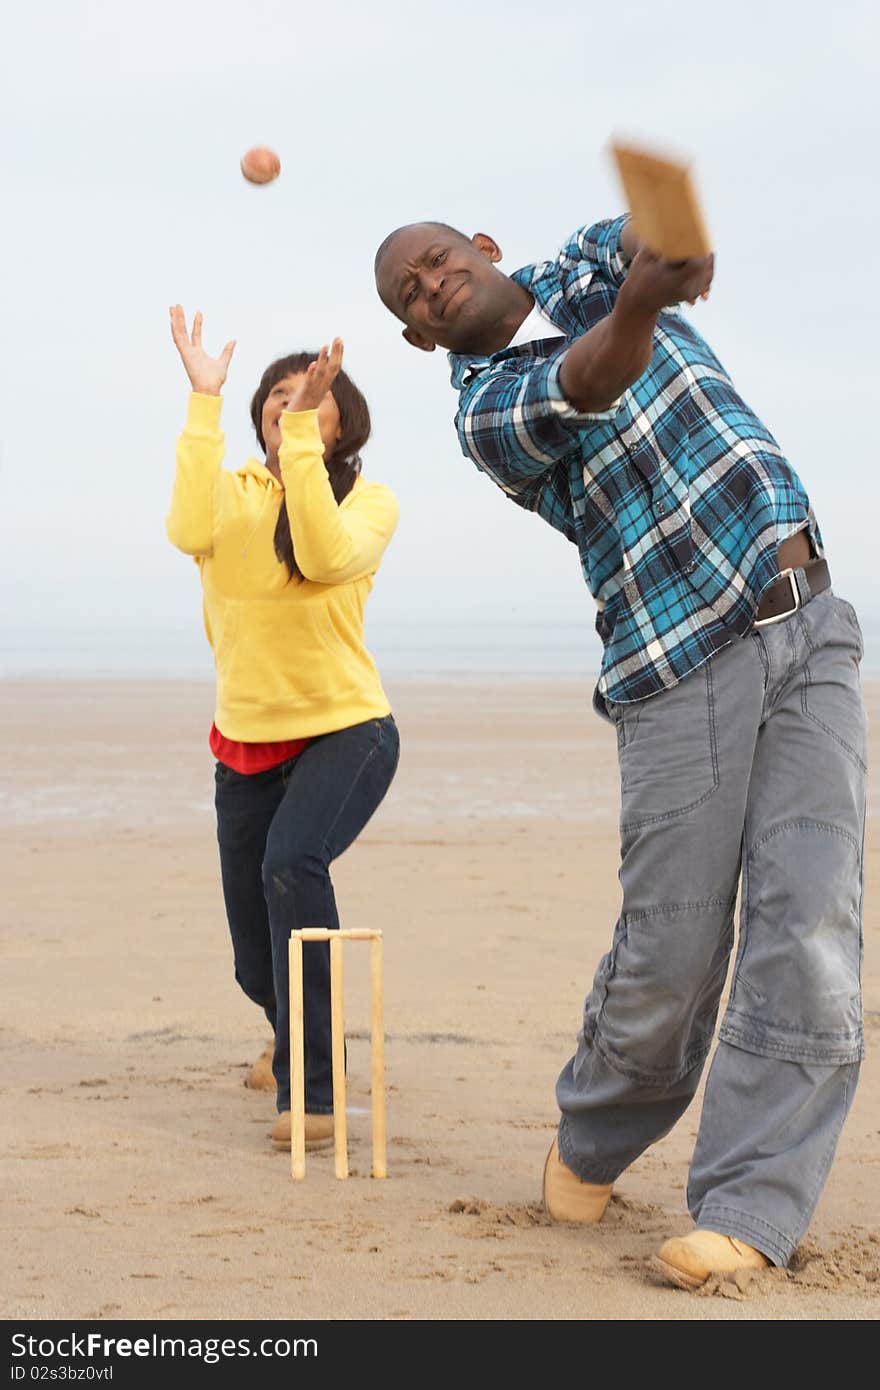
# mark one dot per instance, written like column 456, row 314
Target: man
column 730, row 672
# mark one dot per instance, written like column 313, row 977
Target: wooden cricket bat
column 663, row 203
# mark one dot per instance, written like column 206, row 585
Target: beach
column 139, row 1177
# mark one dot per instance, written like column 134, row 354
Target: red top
column 248, row 758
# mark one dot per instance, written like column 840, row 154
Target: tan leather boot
column 260, row 1077
column 689, row 1260
column 319, row 1131
column 567, row 1198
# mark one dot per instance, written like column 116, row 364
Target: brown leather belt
column 791, row 591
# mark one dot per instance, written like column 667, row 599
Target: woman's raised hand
column 318, row 378
column 206, row 374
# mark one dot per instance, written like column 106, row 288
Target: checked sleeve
column 597, row 249
column 517, row 425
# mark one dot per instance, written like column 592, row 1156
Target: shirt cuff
column 563, row 406
column 203, row 413
column 610, row 249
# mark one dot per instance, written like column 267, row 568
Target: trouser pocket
column 667, row 750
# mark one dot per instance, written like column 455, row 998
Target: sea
column 531, row 649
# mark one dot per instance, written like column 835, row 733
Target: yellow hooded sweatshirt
column 289, row 653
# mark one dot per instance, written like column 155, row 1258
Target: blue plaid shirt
column 677, row 498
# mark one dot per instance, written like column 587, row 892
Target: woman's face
column 278, row 400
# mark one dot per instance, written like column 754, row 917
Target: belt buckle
column 795, row 593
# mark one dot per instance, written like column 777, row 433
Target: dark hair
column 343, row 464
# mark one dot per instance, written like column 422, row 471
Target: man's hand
column 654, row 284
column 318, row 378
column 206, row 374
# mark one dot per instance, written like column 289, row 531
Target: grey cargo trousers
column 755, row 764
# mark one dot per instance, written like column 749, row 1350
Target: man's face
column 443, row 287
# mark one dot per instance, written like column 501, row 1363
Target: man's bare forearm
column 601, row 365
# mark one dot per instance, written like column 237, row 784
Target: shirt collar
column 543, row 285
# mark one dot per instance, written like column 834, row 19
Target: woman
column 305, row 742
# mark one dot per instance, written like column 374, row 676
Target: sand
column 140, row 1180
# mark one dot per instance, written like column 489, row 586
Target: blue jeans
column 753, row 765
column 278, row 832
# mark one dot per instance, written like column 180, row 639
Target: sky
column 123, row 126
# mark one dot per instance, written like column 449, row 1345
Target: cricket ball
column 260, row 165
